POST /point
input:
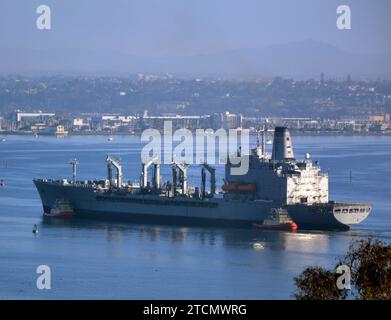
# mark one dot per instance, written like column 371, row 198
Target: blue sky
column 187, row 27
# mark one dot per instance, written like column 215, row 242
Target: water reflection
column 116, row 232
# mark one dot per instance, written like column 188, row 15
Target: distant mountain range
column 303, row 59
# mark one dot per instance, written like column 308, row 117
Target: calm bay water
column 116, row 260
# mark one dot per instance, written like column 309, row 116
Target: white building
column 23, row 116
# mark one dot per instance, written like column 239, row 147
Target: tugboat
column 60, row 209
column 278, row 220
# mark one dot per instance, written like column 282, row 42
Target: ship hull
column 61, row 215
column 326, row 216
column 89, row 203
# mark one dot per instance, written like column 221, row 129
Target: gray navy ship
column 275, row 181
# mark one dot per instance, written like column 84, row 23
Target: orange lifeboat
column 229, row 187
column 247, row 187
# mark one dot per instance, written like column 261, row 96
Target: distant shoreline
column 294, row 132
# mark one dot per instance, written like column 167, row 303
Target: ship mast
column 74, row 163
column 263, row 142
column 261, row 145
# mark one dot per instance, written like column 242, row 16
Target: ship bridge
column 279, row 177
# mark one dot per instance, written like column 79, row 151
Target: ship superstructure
column 280, row 177
column 273, row 181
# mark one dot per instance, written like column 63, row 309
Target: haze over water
column 117, row 260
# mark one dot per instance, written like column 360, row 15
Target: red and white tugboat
column 278, row 220
column 60, row 209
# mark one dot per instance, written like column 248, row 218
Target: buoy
column 35, row 229
column 258, row 246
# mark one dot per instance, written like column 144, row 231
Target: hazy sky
column 182, row 27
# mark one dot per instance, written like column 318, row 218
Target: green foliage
column 370, row 265
column 316, row 283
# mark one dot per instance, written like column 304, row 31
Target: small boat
column 110, row 139
column 60, row 209
column 3, row 139
column 2, row 183
column 278, row 220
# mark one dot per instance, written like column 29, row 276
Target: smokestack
column 282, row 144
